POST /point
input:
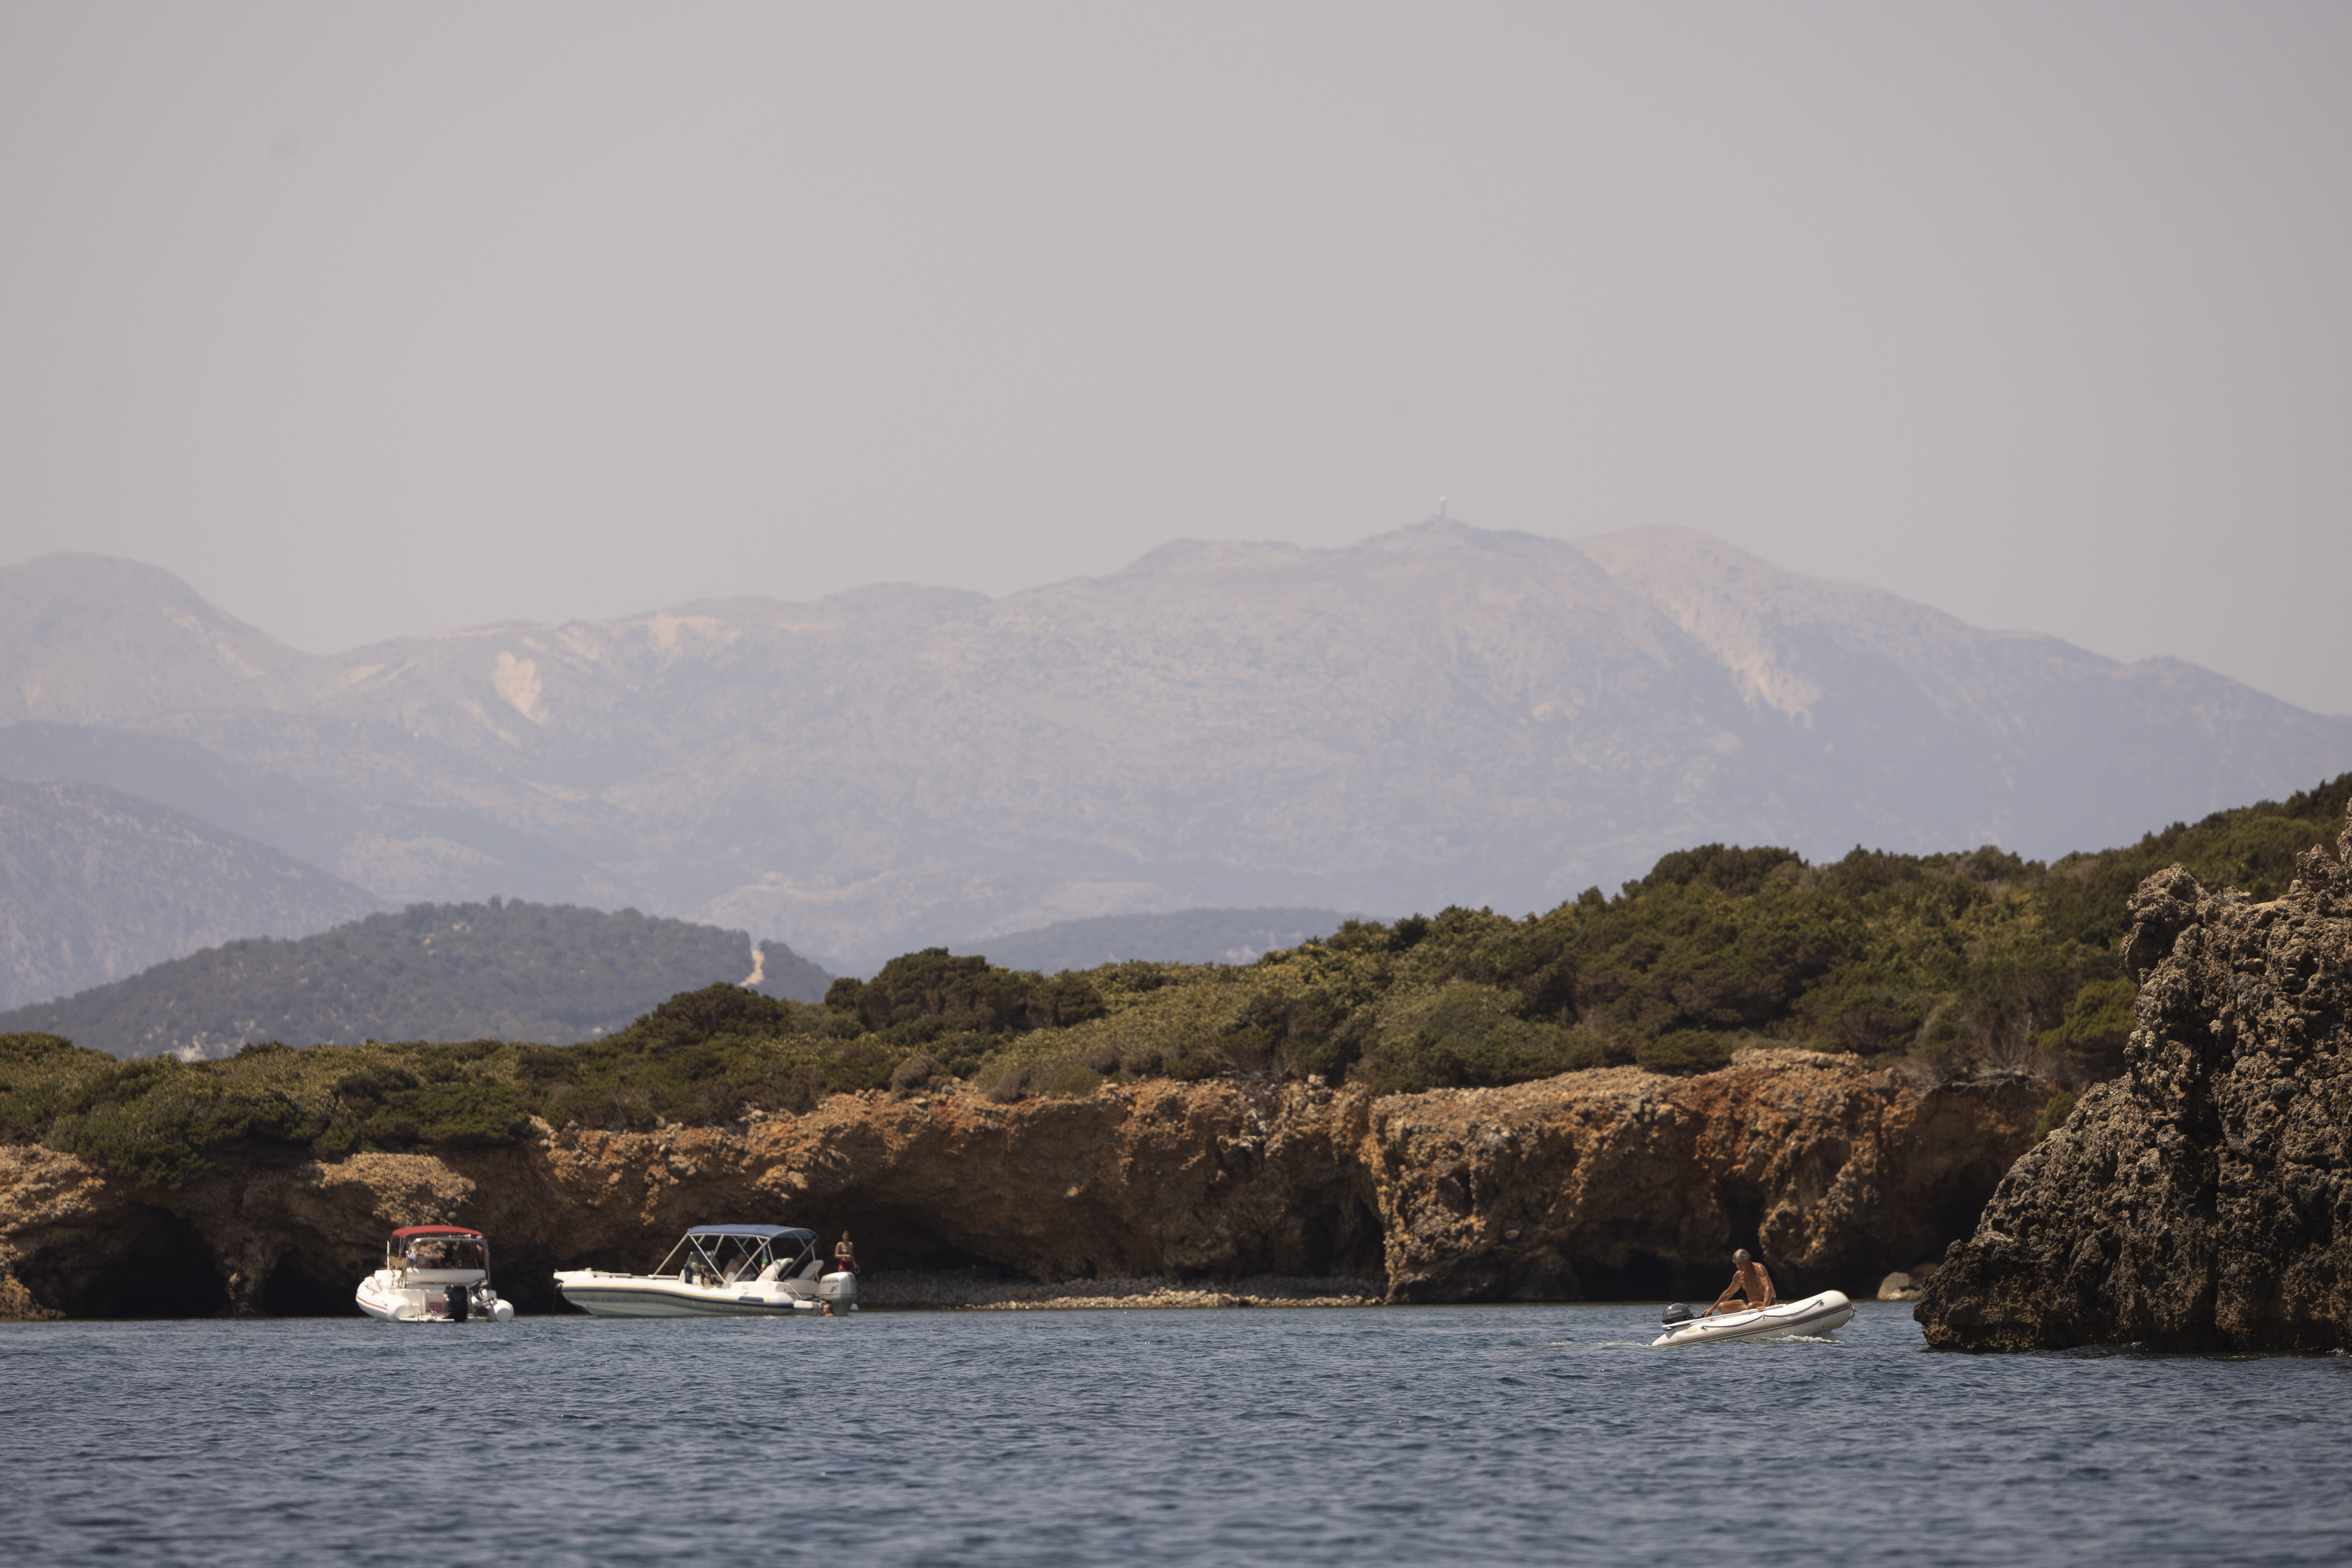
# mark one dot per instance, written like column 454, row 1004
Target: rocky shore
column 1617, row 1184
column 2202, row 1201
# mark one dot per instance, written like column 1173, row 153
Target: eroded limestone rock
column 2204, row 1200
column 1592, row 1185
column 1623, row 1184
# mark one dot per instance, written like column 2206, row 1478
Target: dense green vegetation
column 433, row 972
column 1954, row 964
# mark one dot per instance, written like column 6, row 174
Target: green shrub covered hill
column 1958, row 963
column 433, row 972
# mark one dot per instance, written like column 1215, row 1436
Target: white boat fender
column 502, row 1313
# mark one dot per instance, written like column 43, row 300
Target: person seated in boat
column 1747, row 1279
column 844, row 1256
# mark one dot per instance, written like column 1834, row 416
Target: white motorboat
column 719, row 1271
column 434, row 1274
column 1782, row 1320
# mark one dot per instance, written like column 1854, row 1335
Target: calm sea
column 1442, row 1435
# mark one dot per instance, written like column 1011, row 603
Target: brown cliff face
column 1621, row 1183
column 1593, row 1185
column 2204, row 1200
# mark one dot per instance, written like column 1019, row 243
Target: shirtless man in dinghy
column 1747, row 1279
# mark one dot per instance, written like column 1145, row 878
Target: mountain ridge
column 96, row 885
column 1434, row 714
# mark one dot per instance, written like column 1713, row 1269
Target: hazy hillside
column 1185, row 936
column 95, row 884
column 1957, row 966
column 446, row 972
column 1439, row 715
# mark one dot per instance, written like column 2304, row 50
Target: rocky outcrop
column 1595, row 1185
column 2204, row 1199
column 1625, row 1185
column 1154, row 1179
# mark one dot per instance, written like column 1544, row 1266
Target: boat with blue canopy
column 719, row 1272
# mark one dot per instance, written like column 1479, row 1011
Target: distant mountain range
column 96, row 885
column 1438, row 716
column 507, row 970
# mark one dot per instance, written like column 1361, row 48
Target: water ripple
column 1465, row 1435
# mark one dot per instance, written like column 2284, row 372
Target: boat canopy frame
column 403, row 1241
column 438, row 1252
column 732, row 1253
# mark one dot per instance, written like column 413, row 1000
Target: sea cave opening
column 155, row 1266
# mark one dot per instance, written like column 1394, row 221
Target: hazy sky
column 389, row 319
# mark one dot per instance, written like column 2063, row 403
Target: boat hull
column 428, row 1304
column 653, row 1296
column 1786, row 1320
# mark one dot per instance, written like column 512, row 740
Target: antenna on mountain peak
column 1441, row 508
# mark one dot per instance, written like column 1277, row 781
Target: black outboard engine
column 1678, row 1315
column 456, row 1297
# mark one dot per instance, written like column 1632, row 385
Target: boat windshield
column 443, row 1252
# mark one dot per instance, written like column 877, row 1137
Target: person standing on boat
column 844, row 1257
column 1747, row 1279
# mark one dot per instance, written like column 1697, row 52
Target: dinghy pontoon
column 1782, row 1320
column 719, row 1271
column 434, row 1274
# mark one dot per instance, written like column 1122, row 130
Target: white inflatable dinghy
column 1782, row 1320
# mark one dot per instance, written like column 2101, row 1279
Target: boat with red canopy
column 433, row 1273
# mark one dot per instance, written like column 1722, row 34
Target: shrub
column 936, row 988
column 1318, row 1030
column 1465, row 1035
column 1070, row 1080
column 462, row 1114
column 1139, row 976
column 42, row 1077
column 2097, row 1024
column 693, row 1016
column 1197, row 1063
column 2053, row 1115
column 1683, row 1052
column 1866, row 1019
column 1728, row 869
column 161, row 1127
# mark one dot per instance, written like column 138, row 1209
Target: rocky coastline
column 2204, row 1200
column 1615, row 1183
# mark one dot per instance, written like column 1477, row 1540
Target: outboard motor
column 456, row 1299
column 1678, row 1315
